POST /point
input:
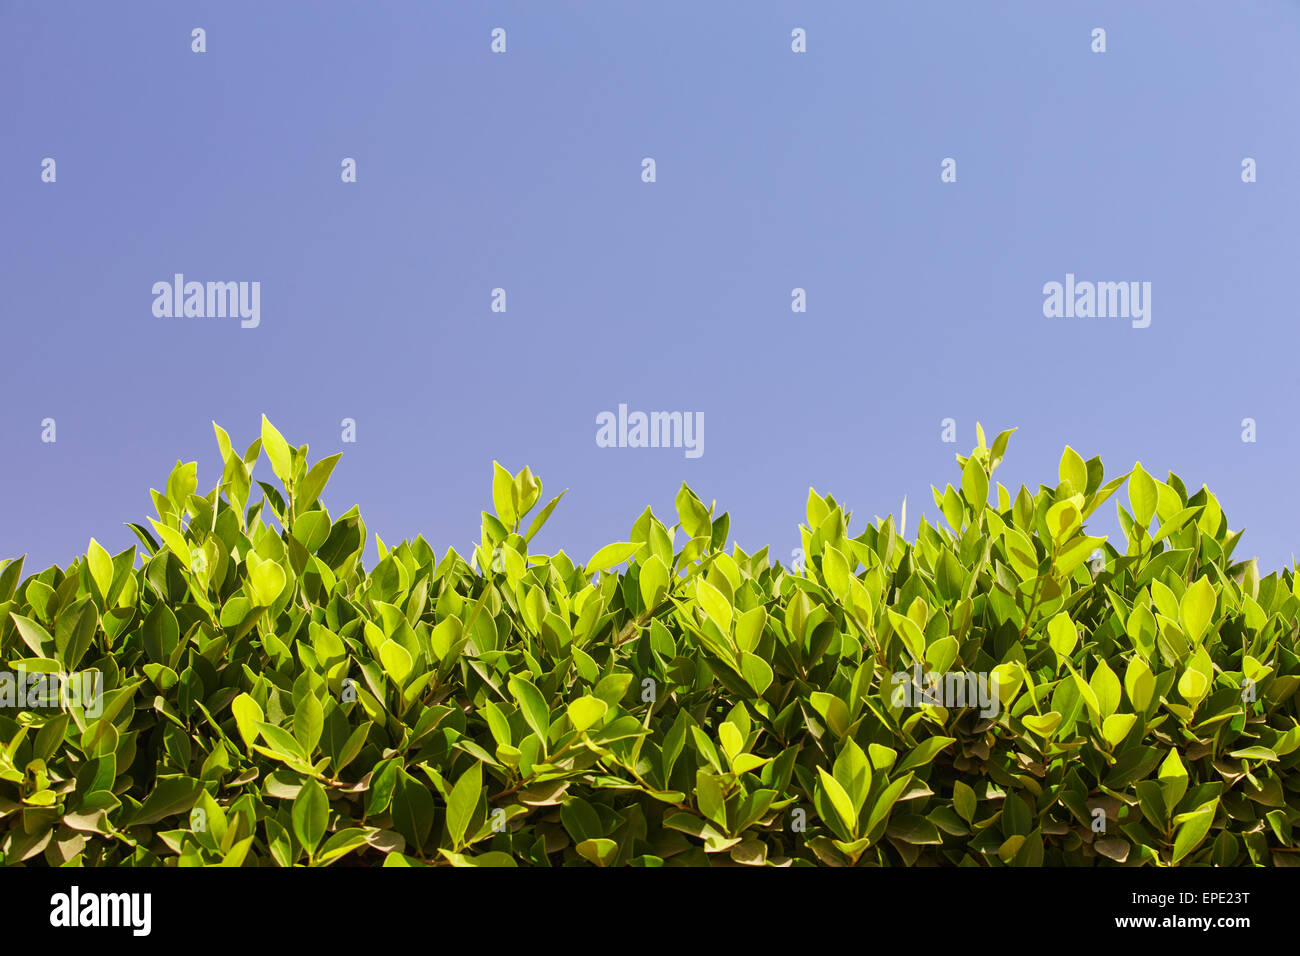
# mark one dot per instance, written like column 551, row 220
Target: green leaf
column 1021, row 554
column 1196, row 609
column 281, row 741
column 34, row 636
column 308, row 722
column 715, row 605
column 1254, row 753
column 1062, row 635
column 963, row 800
column 223, row 440
column 1193, row 830
column 341, row 844
column 493, row 858
column 533, row 706
column 1116, row 727
column 839, row 801
column 1172, row 777
column 974, row 484
column 277, row 451
column 1063, row 520
column 181, row 484
column 310, row 815
column 503, row 495
column 1073, row 471
column 601, row 851
column 526, row 490
column 733, row 743
column 413, row 810
column 383, row 784
column 1139, row 683
column 853, row 772
column 247, row 716
column 757, row 673
column 885, row 803
column 1105, row 685
column 749, row 630
column 1044, row 725
column 397, row 662
column 542, row 515
column 175, row 542
column 160, row 633
column 266, row 579
column 101, row 567
column 1193, row 686
column 1142, row 496
column 835, row 569
column 653, row 581
column 171, row 796
column 1075, row 551
column 314, row 483
column 815, row 509
column 691, row 512
column 586, row 711
column 462, row 802
column 911, row 635
column 611, row 555
column 832, row 710
column 923, row 753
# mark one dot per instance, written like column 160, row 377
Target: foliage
column 267, row 701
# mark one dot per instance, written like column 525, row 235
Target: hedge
column 1001, row 689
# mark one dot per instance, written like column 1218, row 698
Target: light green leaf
column 396, row 660
column 1196, row 609
column 315, row 482
column 715, row 605
column 1044, row 725
column 835, row 571
column 310, row 815
column 247, row 715
column 266, row 579
column 839, row 800
column 175, row 542
column 101, row 567
column 586, row 711
column 462, row 802
column 732, row 742
column 503, row 495
column 533, row 706
column 1193, row 830
column 277, row 450
column 923, row 753
column 1105, row 685
column 1139, row 683
column 1142, row 496
column 308, row 722
column 1062, row 634
column 600, row 851
column 912, row 636
column 974, row 484
column 749, row 629
column 653, row 581
column 1073, row 471
column 1116, row 727
column 612, row 555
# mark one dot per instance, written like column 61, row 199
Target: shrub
column 265, row 700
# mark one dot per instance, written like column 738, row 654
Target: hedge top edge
column 1002, row 689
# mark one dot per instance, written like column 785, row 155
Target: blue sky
column 522, row 171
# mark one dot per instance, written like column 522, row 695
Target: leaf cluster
column 268, row 701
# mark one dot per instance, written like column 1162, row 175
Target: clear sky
column 775, row 170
